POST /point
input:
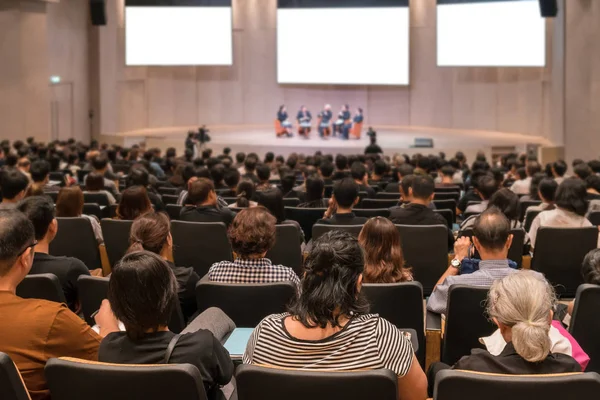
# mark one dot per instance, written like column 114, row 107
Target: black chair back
column 449, row 189
column 387, row 196
column 467, row 385
column 426, row 251
column 200, row 244
column 73, row 379
column 594, row 218
column 112, row 210
column 116, row 238
column 529, row 217
column 291, row 202
column 446, row 204
column 306, row 217
column 402, row 305
column 75, row 238
column 245, row 304
column 466, row 322
column 319, row 230
column 93, row 209
column 447, row 196
column 585, row 324
column 515, row 253
column 328, row 191
column 173, row 210
column 167, row 190
column 448, row 216
column 558, row 254
column 525, row 205
column 41, row 286
column 378, row 203
column 287, row 250
column 370, row 213
column 228, row 200
column 11, row 383
column 99, row 198
column 254, row 382
column 169, row 198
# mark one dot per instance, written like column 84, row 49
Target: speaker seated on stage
column 341, row 125
column 286, row 125
column 343, row 199
column 304, row 118
column 325, row 121
column 201, row 204
column 357, row 123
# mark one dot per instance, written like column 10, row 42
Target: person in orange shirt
column 33, row 331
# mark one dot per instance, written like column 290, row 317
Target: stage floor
column 261, row 139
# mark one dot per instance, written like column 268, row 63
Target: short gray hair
column 523, row 301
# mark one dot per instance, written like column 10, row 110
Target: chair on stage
column 279, row 129
column 303, row 131
column 356, row 130
column 324, row 131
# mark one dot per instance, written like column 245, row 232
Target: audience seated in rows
column 152, row 232
column 138, row 176
column 40, row 176
column 94, row 183
column 134, row 202
column 33, row 331
column 384, row 259
column 343, row 199
column 272, row 200
column 252, row 235
column 40, row 211
column 69, row 204
column 202, row 205
column 14, row 185
column 522, row 185
column 142, row 294
column 329, row 326
column 100, row 166
column 546, row 192
column 315, row 188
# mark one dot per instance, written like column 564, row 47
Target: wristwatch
column 455, row 263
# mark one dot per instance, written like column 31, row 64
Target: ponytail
column 242, row 201
column 531, row 340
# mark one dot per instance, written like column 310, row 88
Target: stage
column 392, row 139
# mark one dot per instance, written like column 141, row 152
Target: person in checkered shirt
column 252, row 234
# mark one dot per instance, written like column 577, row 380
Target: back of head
column 240, row 157
column 252, row 232
column 39, row 170
column 492, row 229
column 358, row 171
column 593, row 182
column 507, row 202
column 269, row 157
column 326, row 169
column 69, row 202
column 263, row 172
column 590, row 269
column 99, row 163
column 547, row 189
column 16, row 232
column 217, row 173
column 330, row 284
column 232, row 177
column 13, row 182
column 487, row 186
column 142, row 292
column 560, row 167
column 94, row 181
column 149, row 232
column 245, row 193
column 448, row 171
column 272, row 200
column 199, row 191
column 288, row 181
column 533, row 167
column 345, row 192
column 250, row 164
column 138, row 176
column 570, row 196
column 405, row 170
column 535, row 184
column 379, row 167
column 422, row 186
column 384, row 261
column 134, row 202
column 40, row 211
column 523, row 301
column 522, row 173
column 582, row 171
column 341, row 162
column 594, row 166
column 314, row 188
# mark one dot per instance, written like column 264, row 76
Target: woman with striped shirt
column 328, row 327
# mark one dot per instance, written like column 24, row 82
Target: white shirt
column 521, row 186
column 557, row 218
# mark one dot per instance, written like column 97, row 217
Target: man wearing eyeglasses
column 33, row 331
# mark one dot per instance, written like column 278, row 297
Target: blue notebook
column 237, row 341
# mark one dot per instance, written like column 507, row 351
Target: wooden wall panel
column 132, row 105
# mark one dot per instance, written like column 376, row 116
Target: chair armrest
column 433, row 321
column 433, row 337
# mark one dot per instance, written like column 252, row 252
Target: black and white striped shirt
column 366, row 342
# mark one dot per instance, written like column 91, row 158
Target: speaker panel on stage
column 549, row 8
column 98, row 12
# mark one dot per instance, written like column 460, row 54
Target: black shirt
column 368, row 189
column 186, row 282
column 418, row 214
column 393, row 187
column 321, row 203
column 464, row 201
column 206, row 214
column 66, row 269
column 343, row 219
column 373, row 149
column 199, row 348
column 509, row 362
column 338, row 175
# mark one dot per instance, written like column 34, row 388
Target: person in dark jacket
column 201, row 204
column 304, row 118
column 345, row 196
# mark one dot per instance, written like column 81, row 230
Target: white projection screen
column 346, row 42
column 490, row 33
column 178, row 32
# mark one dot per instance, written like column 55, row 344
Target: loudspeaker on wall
column 98, row 12
column 548, row 8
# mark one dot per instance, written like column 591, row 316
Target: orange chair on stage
column 326, row 131
column 356, row 130
column 279, row 131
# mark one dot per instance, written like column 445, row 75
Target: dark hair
column 593, row 182
column 314, row 188
column 12, row 182
column 138, row 175
column 232, row 177
column 508, row 202
column 99, row 163
column 422, row 186
column 16, row 232
column 447, row 170
column 149, row 232
column 560, row 167
column 272, row 200
column 40, row 211
column 522, row 172
column 269, row 157
column 581, row 170
column 288, row 181
column 345, row 192
column 341, row 162
column 39, row 170
column 594, row 166
column 533, row 167
column 358, row 171
column 329, row 289
column 252, row 232
column 590, row 269
column 547, row 189
column 406, row 184
column 570, row 196
column 142, row 292
column 404, row 170
column 379, row 167
column 134, row 202
column 250, row 163
column 487, row 186
column 69, row 202
column 245, row 192
column 199, row 191
column 492, row 229
column 217, row 173
column 94, row 181
column 326, row 169
column 263, row 172
column 535, row 184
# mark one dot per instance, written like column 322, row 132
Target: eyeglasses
column 28, row 247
